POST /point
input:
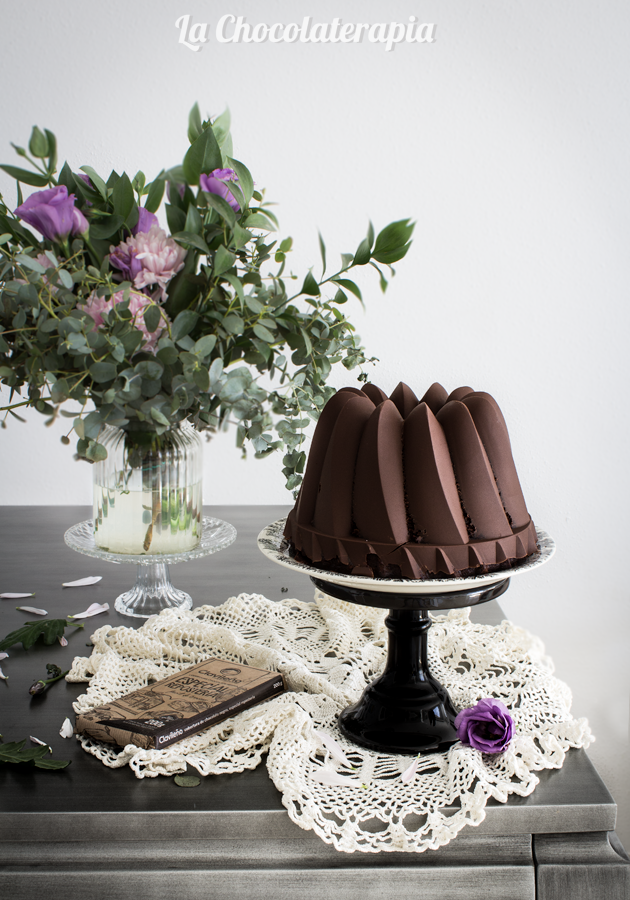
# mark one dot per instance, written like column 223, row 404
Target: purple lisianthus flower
column 487, row 726
column 53, row 213
column 213, row 184
column 124, row 258
column 145, row 220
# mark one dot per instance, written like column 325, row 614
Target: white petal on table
column 4, row 655
column 32, row 609
column 67, row 729
column 3, row 676
column 11, row 596
column 81, row 582
column 92, row 610
column 41, row 743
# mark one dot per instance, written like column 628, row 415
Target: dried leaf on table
column 48, row 630
column 14, row 752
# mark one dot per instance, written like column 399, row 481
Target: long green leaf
column 96, row 180
column 25, row 176
column 154, row 197
column 204, row 155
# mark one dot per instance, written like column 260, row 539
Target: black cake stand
column 405, row 709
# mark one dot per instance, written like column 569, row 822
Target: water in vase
column 147, row 521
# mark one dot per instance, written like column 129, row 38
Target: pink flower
column 149, row 258
column 95, row 307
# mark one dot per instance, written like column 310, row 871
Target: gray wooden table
column 89, row 831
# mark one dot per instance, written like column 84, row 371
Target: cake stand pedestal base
column 405, row 710
column 152, row 592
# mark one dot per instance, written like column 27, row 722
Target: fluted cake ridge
column 400, row 487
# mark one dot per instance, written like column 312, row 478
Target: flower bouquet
column 143, row 329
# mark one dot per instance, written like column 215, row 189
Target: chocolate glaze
column 375, row 394
column 379, row 488
column 404, row 399
column 433, row 502
column 479, row 494
column 435, row 397
column 415, row 489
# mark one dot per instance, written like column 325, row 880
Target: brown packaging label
column 180, row 704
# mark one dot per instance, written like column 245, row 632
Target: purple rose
column 53, row 213
column 213, row 184
column 487, row 726
column 145, row 220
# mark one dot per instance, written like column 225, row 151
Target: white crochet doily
column 329, row 651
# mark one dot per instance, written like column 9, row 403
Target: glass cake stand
column 153, row 590
column 405, row 709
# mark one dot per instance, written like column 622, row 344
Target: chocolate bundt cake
column 404, row 488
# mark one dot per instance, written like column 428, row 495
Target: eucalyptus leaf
column 184, row 323
column 102, row 372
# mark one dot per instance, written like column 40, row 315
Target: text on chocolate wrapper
column 235, row 30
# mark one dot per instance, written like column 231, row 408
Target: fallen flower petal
column 32, row 609
column 334, row 779
column 3, row 676
column 41, row 743
column 63, row 641
column 410, row 771
column 67, row 729
column 10, row 596
column 91, row 579
column 334, row 748
column 4, row 655
column 92, row 610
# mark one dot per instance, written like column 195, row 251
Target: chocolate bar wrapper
column 180, row 705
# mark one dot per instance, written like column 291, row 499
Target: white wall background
column 507, row 141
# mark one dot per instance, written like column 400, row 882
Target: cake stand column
column 152, row 592
column 404, row 710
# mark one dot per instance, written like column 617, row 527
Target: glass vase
column 148, row 491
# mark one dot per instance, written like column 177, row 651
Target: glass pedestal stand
column 153, row 590
column 405, row 709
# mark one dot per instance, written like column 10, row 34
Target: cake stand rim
column 150, row 559
column 270, row 542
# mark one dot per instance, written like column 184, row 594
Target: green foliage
column 235, row 344
column 49, row 630
column 14, row 752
